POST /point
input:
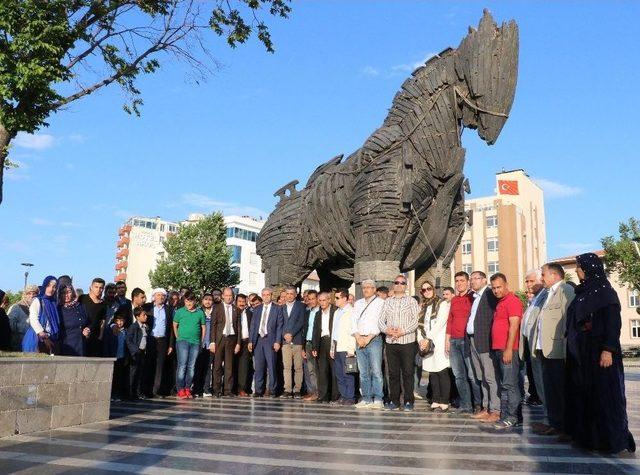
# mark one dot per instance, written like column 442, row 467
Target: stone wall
column 47, row 393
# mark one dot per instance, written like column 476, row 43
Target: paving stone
column 33, row 420
column 65, row 416
column 50, row 395
column 8, row 423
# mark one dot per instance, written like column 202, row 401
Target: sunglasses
column 398, row 282
column 425, row 289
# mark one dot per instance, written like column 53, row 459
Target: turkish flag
column 508, row 187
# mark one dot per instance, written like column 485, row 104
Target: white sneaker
column 207, row 395
column 363, row 405
column 417, row 395
column 377, row 405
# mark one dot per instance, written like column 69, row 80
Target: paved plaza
column 277, row 436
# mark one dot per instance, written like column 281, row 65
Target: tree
column 623, row 255
column 197, row 257
column 54, row 52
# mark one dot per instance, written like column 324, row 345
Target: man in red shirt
column 457, row 347
column 505, row 335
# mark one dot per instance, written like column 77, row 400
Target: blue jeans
column 466, row 382
column 187, row 355
column 510, row 397
column 370, row 367
column 346, row 381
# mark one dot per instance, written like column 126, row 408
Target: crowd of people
column 477, row 343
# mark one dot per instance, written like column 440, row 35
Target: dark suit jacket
column 305, row 329
column 134, row 336
column 317, row 327
column 294, row 323
column 483, row 321
column 275, row 324
column 127, row 308
column 219, row 320
column 168, row 310
column 249, row 317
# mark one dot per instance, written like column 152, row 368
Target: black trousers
column 139, row 365
column 157, row 355
column 120, row 382
column 224, row 354
column 202, row 372
column 526, row 356
column 327, row 384
column 401, row 359
column 440, row 384
column 553, row 379
column 244, row 368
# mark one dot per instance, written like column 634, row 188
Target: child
column 189, row 327
column 118, row 349
column 137, row 337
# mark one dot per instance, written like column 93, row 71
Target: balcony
column 123, row 241
column 121, row 276
column 124, row 230
column 122, row 253
column 122, row 265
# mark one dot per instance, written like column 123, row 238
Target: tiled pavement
column 276, row 436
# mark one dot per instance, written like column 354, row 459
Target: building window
column 492, row 222
column 468, row 268
column 236, row 254
column 492, row 244
column 466, row 247
column 493, row 267
column 635, row 328
column 634, row 299
column 162, row 228
column 172, row 228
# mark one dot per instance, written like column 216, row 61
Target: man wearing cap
column 160, row 320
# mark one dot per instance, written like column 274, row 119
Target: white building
column 242, row 232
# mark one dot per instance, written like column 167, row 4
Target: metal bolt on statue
column 397, row 203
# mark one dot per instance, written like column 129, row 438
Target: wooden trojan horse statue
column 397, row 203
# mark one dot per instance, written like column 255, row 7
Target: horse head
column 487, row 66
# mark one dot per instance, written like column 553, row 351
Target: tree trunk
column 5, row 140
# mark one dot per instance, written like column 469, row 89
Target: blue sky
column 262, row 120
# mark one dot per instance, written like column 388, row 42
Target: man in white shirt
column 366, row 314
column 245, row 364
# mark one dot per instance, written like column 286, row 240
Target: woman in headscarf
column 19, row 316
column 432, row 326
column 74, row 322
column 596, row 406
column 44, row 321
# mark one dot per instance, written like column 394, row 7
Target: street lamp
column 26, row 272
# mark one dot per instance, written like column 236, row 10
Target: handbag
column 351, row 365
column 428, row 351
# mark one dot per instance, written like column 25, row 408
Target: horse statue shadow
column 397, row 203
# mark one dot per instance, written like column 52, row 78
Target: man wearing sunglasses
column 399, row 321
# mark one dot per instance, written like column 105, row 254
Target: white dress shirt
column 245, row 325
column 366, row 315
column 474, row 309
column 228, row 320
column 326, row 314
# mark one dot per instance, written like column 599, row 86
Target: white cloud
column 41, row 222
column 412, row 66
column 46, row 222
column 370, row 71
column 123, row 213
column 204, row 202
column 553, row 189
column 34, row 141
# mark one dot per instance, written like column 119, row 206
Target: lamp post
column 27, row 265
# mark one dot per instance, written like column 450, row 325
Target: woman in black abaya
column 596, row 406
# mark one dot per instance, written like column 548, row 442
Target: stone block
column 33, row 420
column 55, row 394
column 90, row 371
column 69, row 372
column 66, row 416
column 103, row 391
column 18, row 397
column 37, row 373
column 10, row 373
column 95, row 411
column 8, row 423
column 82, row 392
column 104, row 372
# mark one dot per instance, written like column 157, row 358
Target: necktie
column 263, row 321
column 228, row 319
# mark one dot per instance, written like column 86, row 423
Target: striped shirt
column 400, row 312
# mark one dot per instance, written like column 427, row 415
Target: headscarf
column 29, row 288
column 49, row 308
column 434, row 302
column 595, row 291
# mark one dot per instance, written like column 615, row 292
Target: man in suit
column 549, row 342
column 225, row 342
column 321, row 344
column 310, row 362
column 245, row 366
column 479, row 331
column 138, row 340
column 264, row 342
column 138, row 299
column 160, row 321
column 293, row 311
column 538, row 295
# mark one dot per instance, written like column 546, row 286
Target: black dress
column 596, row 406
column 74, row 320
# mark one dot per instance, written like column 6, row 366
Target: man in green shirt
column 189, row 328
